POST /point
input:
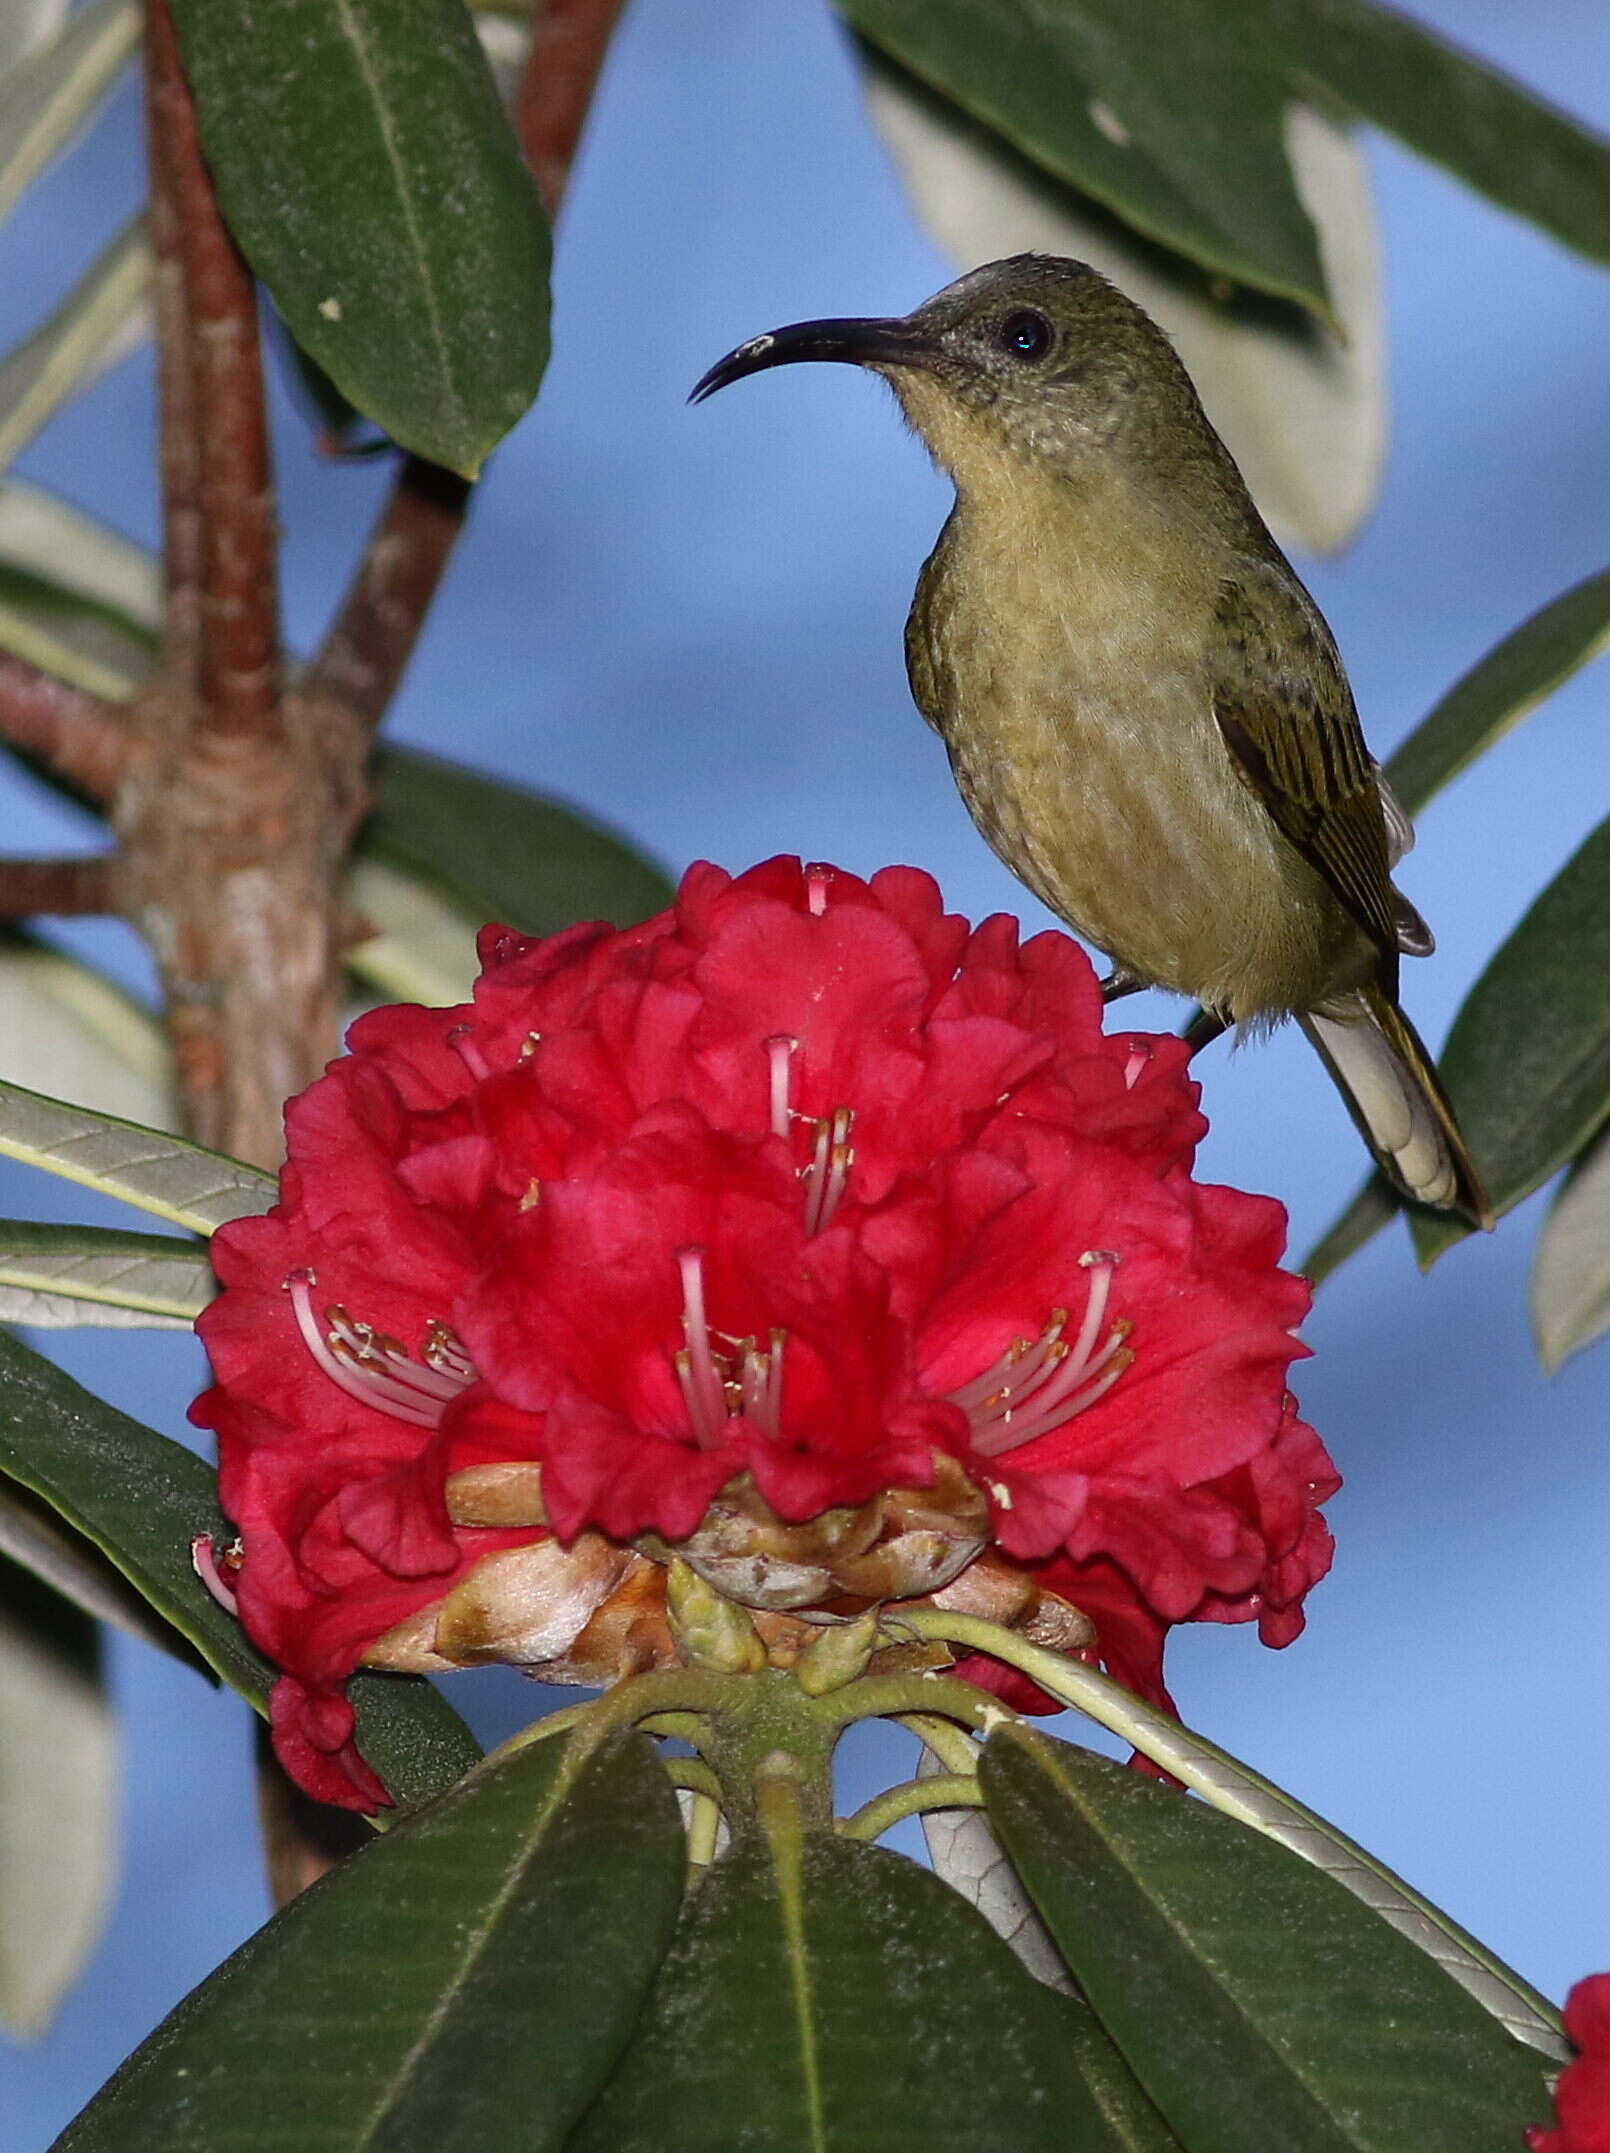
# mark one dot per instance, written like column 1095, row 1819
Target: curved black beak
column 853, row 343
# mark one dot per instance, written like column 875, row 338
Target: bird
column 1144, row 710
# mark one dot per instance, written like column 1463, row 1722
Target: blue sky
column 690, row 622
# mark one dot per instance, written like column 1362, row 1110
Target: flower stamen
column 717, row 1387
column 1040, row 1384
column 462, row 1042
column 827, row 1176
column 780, row 1051
column 378, row 1370
column 1139, row 1056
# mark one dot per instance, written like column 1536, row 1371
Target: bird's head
column 1035, row 358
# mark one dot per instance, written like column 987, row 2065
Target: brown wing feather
column 1287, row 715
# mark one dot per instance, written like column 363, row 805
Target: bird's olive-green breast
column 1103, row 591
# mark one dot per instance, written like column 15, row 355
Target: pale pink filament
column 375, row 1369
column 463, row 1045
column 1139, row 1056
column 205, row 1564
column 780, row 1051
column 717, row 1386
column 826, row 1174
column 1042, row 1383
column 816, row 881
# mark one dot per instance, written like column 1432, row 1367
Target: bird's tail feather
column 1393, row 1091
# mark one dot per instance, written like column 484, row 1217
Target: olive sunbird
column 1145, row 711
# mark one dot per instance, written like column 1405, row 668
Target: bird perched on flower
column 1144, row 709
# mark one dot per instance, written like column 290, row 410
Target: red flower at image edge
column 802, row 1180
column 1582, row 2097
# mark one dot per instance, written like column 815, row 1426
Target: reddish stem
column 64, row 886
column 568, row 42
column 218, row 487
column 373, row 635
column 72, row 733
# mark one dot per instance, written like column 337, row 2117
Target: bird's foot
column 1201, row 1029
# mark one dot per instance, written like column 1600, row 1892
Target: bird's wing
column 1287, row 715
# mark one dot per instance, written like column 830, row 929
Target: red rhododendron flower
column 1582, row 2097
column 801, row 1228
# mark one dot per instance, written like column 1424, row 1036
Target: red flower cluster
column 1582, row 2098
column 802, row 1189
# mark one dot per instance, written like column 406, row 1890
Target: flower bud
column 838, row 1655
column 710, row 1629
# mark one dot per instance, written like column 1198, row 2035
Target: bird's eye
column 1025, row 334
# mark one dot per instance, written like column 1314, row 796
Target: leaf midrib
column 1290, row 2069
column 524, row 1853
column 372, row 82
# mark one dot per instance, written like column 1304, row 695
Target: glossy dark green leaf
column 1173, row 115
column 1528, row 1059
column 1134, row 2121
column 368, row 171
column 1258, row 2002
column 503, row 853
column 827, row 1997
column 462, row 1984
column 1161, row 114
column 140, row 1498
column 1501, row 688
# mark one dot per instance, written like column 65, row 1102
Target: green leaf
column 1158, row 116
column 52, row 1276
column 36, row 1540
column 1502, row 688
column 59, row 630
column 423, row 946
column 86, row 333
column 1528, row 1060
column 1571, row 1272
column 1135, row 2122
column 834, row 1996
column 141, row 1499
column 76, row 598
column 1258, row 2003
column 1173, row 115
column 502, row 853
column 464, row 1983
column 46, row 97
column 58, row 1800
column 367, row 169
column 66, row 1027
column 1302, row 408
column 162, row 1174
